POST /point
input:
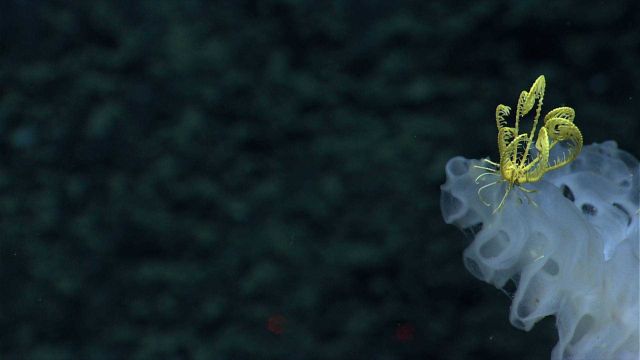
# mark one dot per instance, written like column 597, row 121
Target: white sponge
column 572, row 254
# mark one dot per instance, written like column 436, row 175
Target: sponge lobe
column 574, row 255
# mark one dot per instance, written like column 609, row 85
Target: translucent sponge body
column 570, row 247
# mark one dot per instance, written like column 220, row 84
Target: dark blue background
column 260, row 180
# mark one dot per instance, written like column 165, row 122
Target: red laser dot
column 405, row 332
column 275, row 324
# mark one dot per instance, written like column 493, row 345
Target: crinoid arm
column 536, row 168
column 564, row 112
column 505, row 136
column 502, row 111
column 526, row 101
column 509, row 164
column 564, row 130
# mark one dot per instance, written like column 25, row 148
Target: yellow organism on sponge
column 518, row 165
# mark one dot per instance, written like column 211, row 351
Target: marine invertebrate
column 575, row 256
column 519, row 162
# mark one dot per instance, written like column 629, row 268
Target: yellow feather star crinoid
column 519, row 164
